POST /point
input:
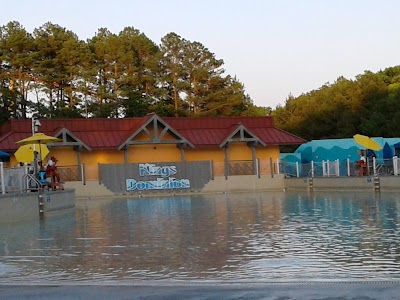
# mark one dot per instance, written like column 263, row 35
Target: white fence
column 376, row 167
column 12, row 179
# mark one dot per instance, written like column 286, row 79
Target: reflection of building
column 154, row 139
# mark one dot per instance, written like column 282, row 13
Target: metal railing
column 31, row 183
column 70, row 173
column 21, row 178
column 241, row 167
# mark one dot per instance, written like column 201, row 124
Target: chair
column 43, row 180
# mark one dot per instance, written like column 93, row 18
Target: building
column 222, row 140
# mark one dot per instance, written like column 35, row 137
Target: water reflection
column 260, row 236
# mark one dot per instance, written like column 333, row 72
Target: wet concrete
column 273, row 291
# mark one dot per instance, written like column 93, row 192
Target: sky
column 275, row 48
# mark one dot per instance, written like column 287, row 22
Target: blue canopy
column 396, row 145
column 4, row 154
column 387, row 151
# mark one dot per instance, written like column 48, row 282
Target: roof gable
column 241, row 134
column 156, row 129
column 69, row 139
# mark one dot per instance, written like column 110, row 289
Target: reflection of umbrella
column 25, row 153
column 367, row 142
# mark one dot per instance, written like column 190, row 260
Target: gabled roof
column 113, row 134
column 69, row 139
column 241, row 134
column 154, row 135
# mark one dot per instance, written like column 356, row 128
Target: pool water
column 274, row 236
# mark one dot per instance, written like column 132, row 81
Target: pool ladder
column 311, row 183
column 377, row 183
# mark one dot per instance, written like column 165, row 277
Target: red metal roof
column 111, row 133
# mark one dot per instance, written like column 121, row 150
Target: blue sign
column 153, row 170
column 164, row 183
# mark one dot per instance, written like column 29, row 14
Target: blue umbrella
column 5, row 154
column 387, row 151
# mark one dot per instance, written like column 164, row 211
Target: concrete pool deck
column 278, row 291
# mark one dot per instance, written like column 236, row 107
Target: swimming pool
column 270, row 236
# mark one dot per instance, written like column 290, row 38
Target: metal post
column 3, row 188
column 297, row 169
column 99, row 172
column 277, row 166
column 41, row 203
column 348, row 167
column 328, row 167
column 226, row 162
column 312, row 168
column 337, row 168
column 395, row 168
column 254, row 159
column 374, row 164
column 83, row 174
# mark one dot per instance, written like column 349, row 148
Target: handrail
column 29, row 178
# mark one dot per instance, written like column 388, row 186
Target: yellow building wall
column 162, row 153
column 267, row 158
column 153, row 153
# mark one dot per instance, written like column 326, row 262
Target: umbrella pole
column 35, row 163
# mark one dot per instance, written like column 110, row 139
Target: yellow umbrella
column 40, row 138
column 367, row 142
column 25, row 153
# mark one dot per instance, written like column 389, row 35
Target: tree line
column 369, row 105
column 51, row 73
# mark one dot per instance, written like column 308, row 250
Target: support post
column 226, row 162
column 3, row 188
column 99, row 172
column 312, row 168
column 328, row 168
column 271, row 167
column 182, row 154
column 78, row 160
column 337, row 168
column 41, row 203
column 254, row 159
column 82, row 166
column 348, row 166
column 125, row 155
column 374, row 165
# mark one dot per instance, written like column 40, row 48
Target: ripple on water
column 207, row 237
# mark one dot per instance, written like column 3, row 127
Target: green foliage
column 369, row 105
column 112, row 75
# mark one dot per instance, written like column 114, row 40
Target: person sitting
column 360, row 165
column 52, row 172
